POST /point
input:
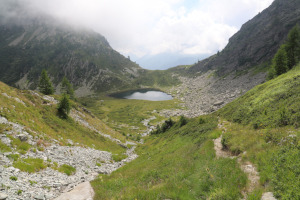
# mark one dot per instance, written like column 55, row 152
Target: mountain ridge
column 85, row 57
column 256, row 42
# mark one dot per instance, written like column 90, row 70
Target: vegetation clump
column 13, row 178
column 30, row 165
column 182, row 121
column 164, row 127
column 67, row 169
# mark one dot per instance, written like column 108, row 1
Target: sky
column 140, row 28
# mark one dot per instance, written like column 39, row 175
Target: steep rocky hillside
column 42, row 155
column 34, row 42
column 256, row 42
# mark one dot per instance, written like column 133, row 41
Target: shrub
column 67, row 169
column 13, row 178
column 167, row 125
column 182, row 121
column 201, row 120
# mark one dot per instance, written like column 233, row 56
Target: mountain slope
column 42, row 155
column 256, row 42
column 265, row 124
column 35, row 42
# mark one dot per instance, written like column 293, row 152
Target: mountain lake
column 143, row 94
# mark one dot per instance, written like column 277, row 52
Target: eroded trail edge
column 248, row 168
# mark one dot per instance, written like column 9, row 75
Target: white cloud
column 140, row 27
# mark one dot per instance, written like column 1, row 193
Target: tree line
column 288, row 55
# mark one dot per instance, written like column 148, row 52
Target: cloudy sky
column 149, row 27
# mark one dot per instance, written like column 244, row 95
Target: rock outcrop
column 256, row 42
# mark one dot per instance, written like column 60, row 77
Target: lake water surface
column 143, row 94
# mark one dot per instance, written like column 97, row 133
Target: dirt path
column 247, row 167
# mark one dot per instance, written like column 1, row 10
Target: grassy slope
column 177, row 164
column 274, row 103
column 266, row 127
column 125, row 115
column 41, row 119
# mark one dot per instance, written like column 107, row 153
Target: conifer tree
column 45, row 85
column 64, row 106
column 293, row 47
column 280, row 61
column 67, row 88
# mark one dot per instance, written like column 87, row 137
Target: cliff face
column 34, row 43
column 257, row 41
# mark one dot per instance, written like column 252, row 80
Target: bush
column 167, row 125
column 164, row 127
column 13, row 178
column 201, row 120
column 182, row 121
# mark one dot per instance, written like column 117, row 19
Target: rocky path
column 248, row 168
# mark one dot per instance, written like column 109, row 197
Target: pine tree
column 280, row 61
column 64, row 106
column 67, row 88
column 293, row 47
column 45, row 85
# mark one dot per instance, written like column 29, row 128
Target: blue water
column 144, row 94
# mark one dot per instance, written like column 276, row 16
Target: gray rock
column 22, row 137
column 3, row 196
column 40, row 197
column 218, row 103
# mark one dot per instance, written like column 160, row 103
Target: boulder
column 22, row 137
column 3, row 196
